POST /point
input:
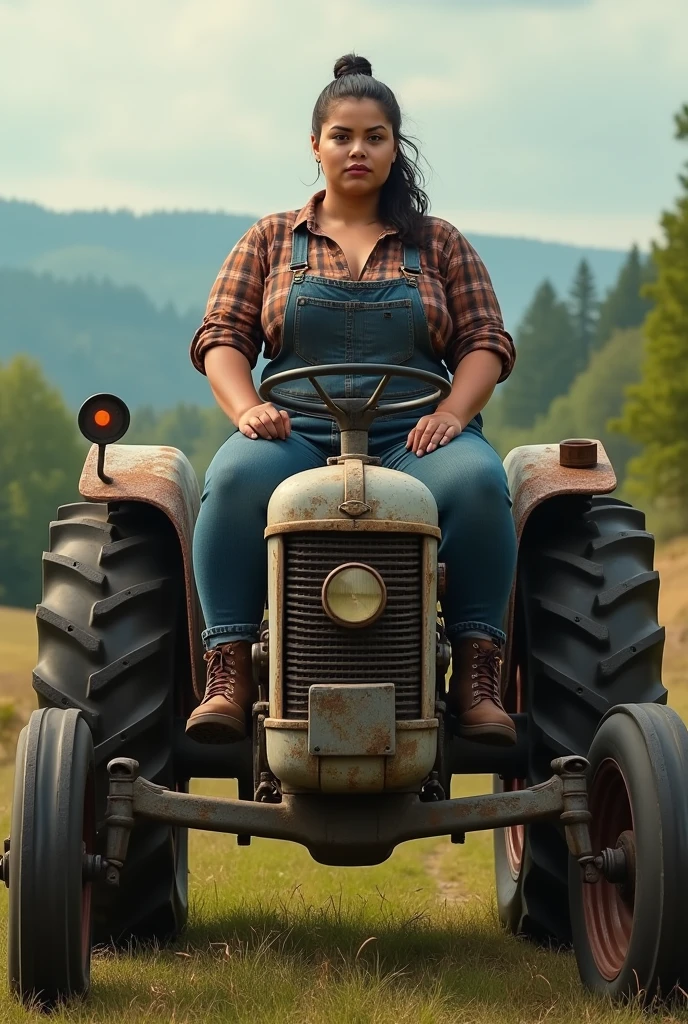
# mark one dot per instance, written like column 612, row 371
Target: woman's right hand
column 265, row 421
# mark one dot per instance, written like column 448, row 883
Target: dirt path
column 448, row 892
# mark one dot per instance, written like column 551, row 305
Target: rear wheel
column 108, row 645
column 586, row 638
column 53, row 830
column 629, row 934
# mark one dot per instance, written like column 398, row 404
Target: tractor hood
column 352, row 495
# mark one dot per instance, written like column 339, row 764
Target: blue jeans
column 466, row 478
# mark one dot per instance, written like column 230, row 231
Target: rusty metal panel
column 161, row 476
column 351, row 720
column 416, row 752
column 286, row 745
column 534, row 475
column 352, row 776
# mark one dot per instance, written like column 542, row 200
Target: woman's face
column 356, row 134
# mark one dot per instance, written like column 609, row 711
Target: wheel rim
column 608, row 908
column 515, row 835
column 89, row 847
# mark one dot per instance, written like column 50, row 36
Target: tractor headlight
column 354, row 595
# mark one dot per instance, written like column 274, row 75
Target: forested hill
column 93, row 336
column 174, row 256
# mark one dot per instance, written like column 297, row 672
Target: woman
column 365, row 239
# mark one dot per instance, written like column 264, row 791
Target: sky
column 549, row 119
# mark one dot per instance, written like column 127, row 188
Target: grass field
column 274, row 937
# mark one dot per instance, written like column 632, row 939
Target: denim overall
column 344, row 321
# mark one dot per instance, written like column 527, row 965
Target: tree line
column 614, row 367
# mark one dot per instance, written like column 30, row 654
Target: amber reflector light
column 103, row 419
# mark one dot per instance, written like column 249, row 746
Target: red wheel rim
column 515, row 835
column 89, row 847
column 608, row 908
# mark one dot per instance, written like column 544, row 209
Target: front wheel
column 629, row 934
column 53, row 831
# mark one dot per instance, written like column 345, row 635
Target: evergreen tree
column 583, row 307
column 625, row 305
column 656, row 411
column 546, row 360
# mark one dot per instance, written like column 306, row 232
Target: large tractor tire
column 109, row 644
column 586, row 638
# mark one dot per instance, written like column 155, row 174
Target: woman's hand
column 433, row 431
column 265, row 421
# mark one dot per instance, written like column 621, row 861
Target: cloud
column 560, row 112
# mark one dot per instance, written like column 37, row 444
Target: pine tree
column 546, row 360
column 656, row 411
column 583, row 307
column 625, row 305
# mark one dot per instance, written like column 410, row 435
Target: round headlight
column 354, row 595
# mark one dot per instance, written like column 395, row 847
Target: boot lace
column 221, row 671
column 485, row 678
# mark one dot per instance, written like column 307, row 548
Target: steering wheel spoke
column 377, row 393
column 327, row 401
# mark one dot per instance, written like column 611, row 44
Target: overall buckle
column 411, row 274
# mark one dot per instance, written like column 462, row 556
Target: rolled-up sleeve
column 473, row 306
column 233, row 313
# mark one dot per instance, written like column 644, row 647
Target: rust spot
column 374, row 525
column 377, row 740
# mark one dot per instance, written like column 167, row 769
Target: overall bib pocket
column 355, row 332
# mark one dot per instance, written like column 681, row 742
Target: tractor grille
column 317, row 650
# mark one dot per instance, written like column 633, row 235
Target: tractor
column 352, row 749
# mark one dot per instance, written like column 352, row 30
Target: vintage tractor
column 352, row 750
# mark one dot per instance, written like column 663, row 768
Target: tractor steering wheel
column 353, row 413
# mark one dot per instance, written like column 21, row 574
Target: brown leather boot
column 224, row 713
column 474, row 691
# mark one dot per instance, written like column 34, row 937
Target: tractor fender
column 535, row 475
column 161, row 476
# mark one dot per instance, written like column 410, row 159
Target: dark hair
column 403, row 203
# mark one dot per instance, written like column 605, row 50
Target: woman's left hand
column 433, row 431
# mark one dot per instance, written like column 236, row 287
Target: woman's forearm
column 229, row 373
column 474, row 381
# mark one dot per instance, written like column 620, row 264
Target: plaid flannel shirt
column 247, row 302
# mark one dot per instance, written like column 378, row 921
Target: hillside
column 174, row 256
column 93, row 336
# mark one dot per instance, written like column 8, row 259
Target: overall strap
column 410, row 267
column 299, row 252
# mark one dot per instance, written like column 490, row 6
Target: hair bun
column 350, row 64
